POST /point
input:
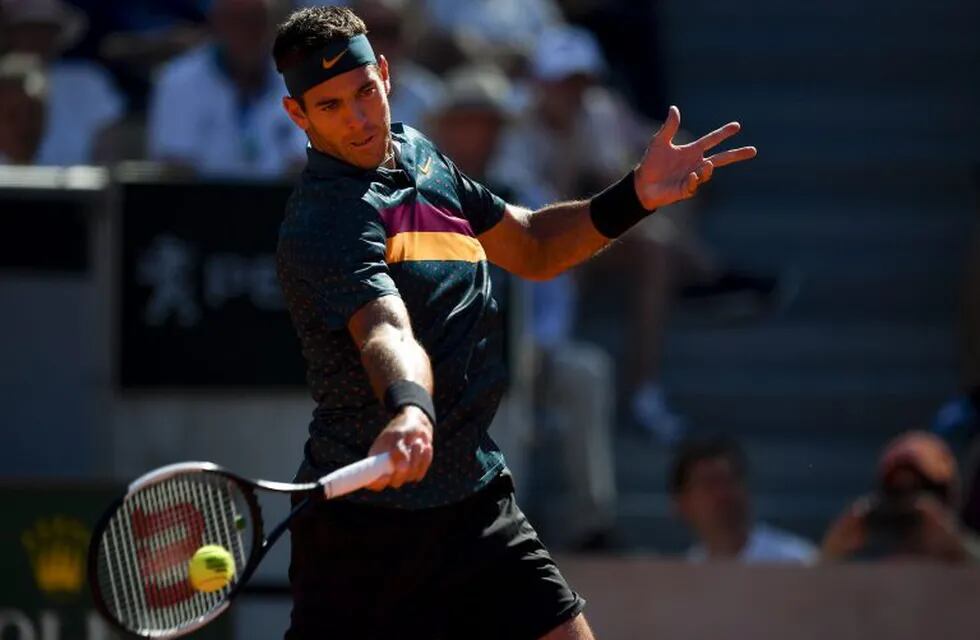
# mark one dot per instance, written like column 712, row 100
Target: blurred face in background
column 348, row 116
column 21, row 122
column 40, row 39
column 714, row 500
column 469, row 136
column 244, row 30
column 560, row 101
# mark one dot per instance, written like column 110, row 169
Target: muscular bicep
column 510, row 244
column 384, row 315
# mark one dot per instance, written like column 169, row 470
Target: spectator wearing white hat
column 507, row 23
column 216, row 110
column 82, row 101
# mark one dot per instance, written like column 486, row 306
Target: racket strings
column 145, row 551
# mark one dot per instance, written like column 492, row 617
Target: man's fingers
column 380, row 484
column 732, row 156
column 704, row 172
column 411, row 456
column 690, row 184
column 417, row 461
column 403, row 464
column 421, row 463
column 717, row 136
column 670, row 126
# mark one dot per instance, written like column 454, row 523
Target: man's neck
column 389, row 162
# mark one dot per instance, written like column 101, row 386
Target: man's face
column 561, row 100
column 348, row 115
column 469, row 136
column 715, row 498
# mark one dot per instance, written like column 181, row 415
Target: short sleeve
column 481, row 206
column 331, row 261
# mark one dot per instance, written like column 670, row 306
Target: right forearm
column 391, row 354
column 401, row 377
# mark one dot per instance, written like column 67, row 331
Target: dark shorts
column 474, row 569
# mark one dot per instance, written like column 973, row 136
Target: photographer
column 911, row 514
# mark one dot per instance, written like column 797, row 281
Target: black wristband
column 617, row 208
column 403, row 392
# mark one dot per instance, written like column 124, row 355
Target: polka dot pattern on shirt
column 332, row 260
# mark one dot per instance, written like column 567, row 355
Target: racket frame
column 260, row 543
column 337, row 483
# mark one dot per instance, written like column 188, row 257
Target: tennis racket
column 140, row 552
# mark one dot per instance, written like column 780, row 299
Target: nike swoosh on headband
column 327, row 64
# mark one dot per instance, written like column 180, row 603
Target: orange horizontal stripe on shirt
column 412, row 246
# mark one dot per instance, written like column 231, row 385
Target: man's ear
column 384, row 72
column 295, row 112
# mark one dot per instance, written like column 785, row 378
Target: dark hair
column 309, row 30
column 691, row 452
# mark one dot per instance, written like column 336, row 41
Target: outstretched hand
column 669, row 173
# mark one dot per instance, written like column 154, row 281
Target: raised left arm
column 541, row 244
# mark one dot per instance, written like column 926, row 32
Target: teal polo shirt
column 351, row 236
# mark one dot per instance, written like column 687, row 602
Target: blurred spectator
column 468, row 119
column 708, row 484
column 133, row 37
column 217, row 109
column 911, row 514
column 510, row 23
column 414, row 90
column 554, row 154
column 577, row 137
column 82, row 100
column 574, row 380
column 22, row 102
column 630, row 35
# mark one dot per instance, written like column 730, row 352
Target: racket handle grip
column 356, row 476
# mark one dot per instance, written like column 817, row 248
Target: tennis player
column 383, row 261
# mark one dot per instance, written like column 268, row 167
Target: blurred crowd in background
column 517, row 93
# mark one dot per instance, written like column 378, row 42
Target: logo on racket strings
column 165, row 542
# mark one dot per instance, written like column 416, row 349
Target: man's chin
column 369, row 159
column 366, row 163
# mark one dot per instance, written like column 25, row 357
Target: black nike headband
column 339, row 56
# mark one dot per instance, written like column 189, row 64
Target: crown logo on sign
column 56, row 547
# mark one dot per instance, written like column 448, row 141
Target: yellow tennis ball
column 211, row 568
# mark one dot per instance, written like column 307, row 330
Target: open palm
column 669, row 173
